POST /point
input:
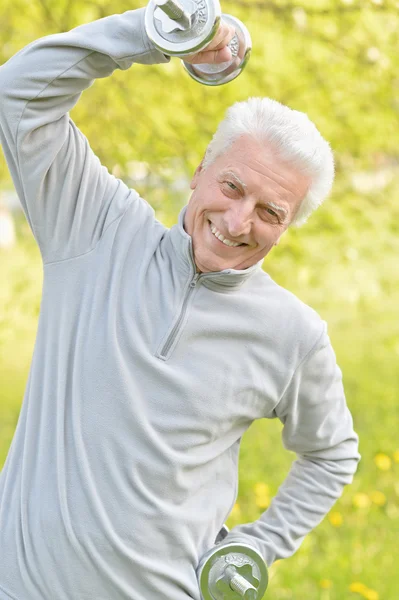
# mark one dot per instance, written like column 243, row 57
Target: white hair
column 291, row 133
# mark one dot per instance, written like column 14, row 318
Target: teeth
column 220, row 237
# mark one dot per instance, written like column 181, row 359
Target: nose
column 238, row 218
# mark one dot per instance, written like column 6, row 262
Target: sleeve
column 68, row 197
column 318, row 427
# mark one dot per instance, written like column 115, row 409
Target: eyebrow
column 244, row 185
column 234, row 176
column 276, row 207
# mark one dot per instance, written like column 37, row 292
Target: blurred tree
column 338, row 62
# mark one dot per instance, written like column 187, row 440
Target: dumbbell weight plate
column 205, row 23
column 218, row 74
column 242, row 557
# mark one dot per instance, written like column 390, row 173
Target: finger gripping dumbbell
column 183, row 27
column 233, row 572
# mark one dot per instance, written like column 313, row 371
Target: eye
column 272, row 212
column 232, row 186
column 271, row 215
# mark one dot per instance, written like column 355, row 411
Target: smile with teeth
column 220, row 237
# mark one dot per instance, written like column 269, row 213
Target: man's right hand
column 217, row 50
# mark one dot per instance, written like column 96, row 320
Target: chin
column 212, row 266
column 208, row 266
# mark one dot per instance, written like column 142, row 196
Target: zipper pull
column 194, row 280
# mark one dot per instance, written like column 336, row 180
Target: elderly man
column 156, row 349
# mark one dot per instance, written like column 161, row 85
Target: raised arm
column 318, row 427
column 68, row 197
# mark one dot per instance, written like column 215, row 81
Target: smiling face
column 241, row 205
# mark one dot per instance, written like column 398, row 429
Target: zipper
column 172, row 336
column 189, row 292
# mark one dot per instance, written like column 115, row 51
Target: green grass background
column 353, row 553
column 337, row 60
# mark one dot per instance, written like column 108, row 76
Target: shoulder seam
column 54, row 262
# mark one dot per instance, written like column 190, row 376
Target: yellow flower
column 361, row 500
column 383, row 461
column 261, row 489
column 358, row 588
column 236, row 510
column 378, row 498
column 325, row 584
column 335, row 519
column 396, row 456
column 262, row 501
column 262, row 498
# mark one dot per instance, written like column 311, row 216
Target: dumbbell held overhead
column 184, row 27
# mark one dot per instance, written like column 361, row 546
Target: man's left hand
column 217, row 51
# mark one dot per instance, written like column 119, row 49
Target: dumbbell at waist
column 183, row 27
column 233, row 572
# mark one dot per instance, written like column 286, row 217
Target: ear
column 194, row 180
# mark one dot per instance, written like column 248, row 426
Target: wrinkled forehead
column 259, row 169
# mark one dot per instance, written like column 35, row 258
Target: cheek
column 209, row 197
column 192, row 212
column 267, row 237
column 197, row 203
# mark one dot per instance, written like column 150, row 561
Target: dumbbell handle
column 175, row 11
column 239, row 584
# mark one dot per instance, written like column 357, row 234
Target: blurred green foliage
column 338, row 62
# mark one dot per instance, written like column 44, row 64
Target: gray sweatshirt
column 145, row 375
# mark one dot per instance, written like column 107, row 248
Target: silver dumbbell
column 232, row 572
column 183, row 27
